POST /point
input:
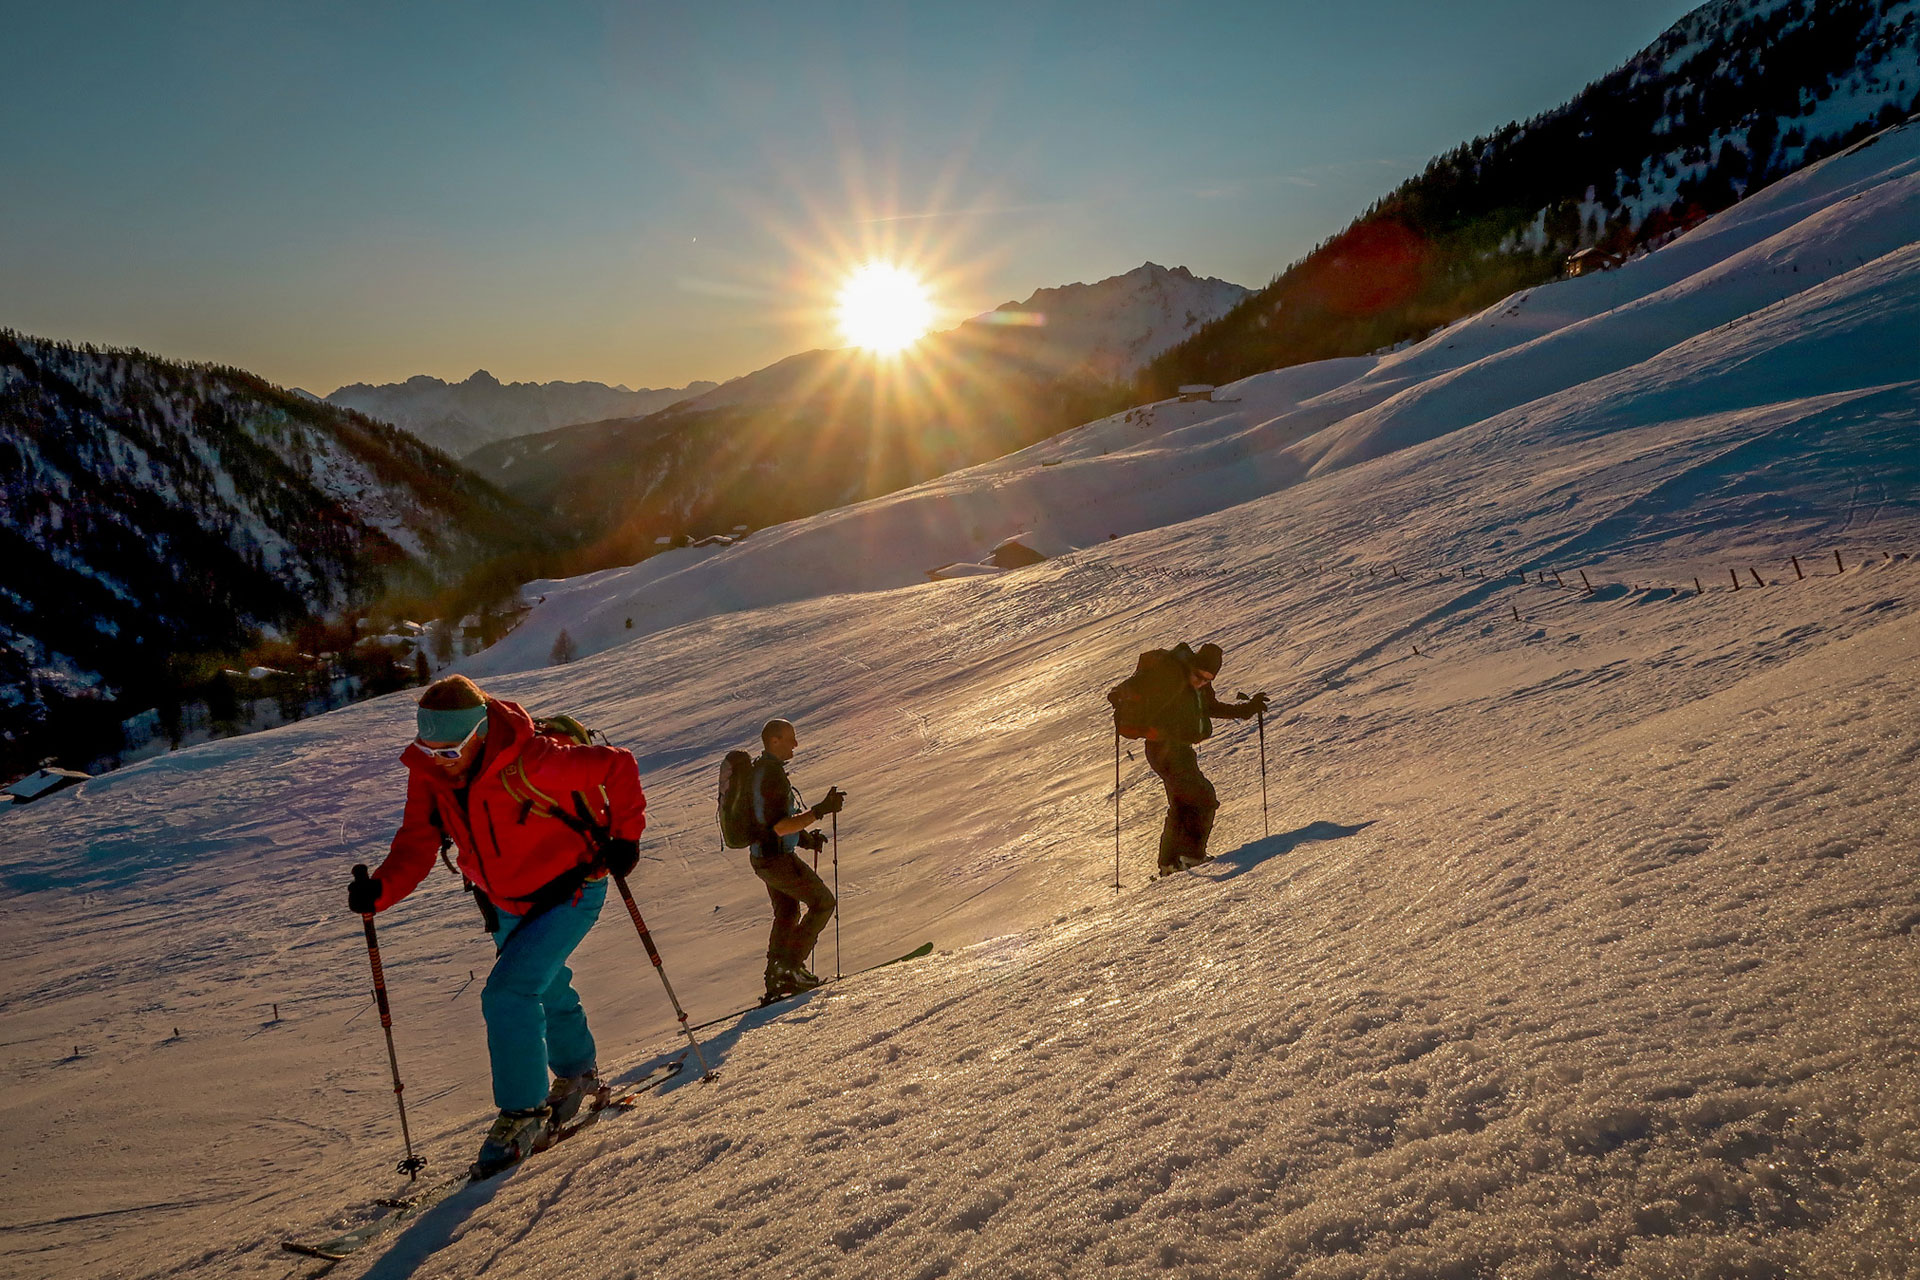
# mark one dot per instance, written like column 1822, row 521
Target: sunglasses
column 447, row 753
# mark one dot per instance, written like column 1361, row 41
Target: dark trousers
column 1191, row 802
column 792, row 884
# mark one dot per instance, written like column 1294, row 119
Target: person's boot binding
column 569, row 1093
column 515, row 1136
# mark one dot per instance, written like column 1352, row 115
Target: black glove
column 363, row 895
column 620, row 856
column 814, row 840
column 1259, row 701
column 831, row 803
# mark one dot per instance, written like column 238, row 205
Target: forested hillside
column 150, row 510
column 1736, row 95
column 813, row 432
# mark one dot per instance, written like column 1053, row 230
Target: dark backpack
column 737, row 827
column 1141, row 701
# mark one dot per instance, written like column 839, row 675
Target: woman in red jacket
column 538, row 824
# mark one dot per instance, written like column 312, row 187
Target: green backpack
column 565, row 726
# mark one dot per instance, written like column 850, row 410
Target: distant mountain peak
column 1111, row 328
column 459, row 417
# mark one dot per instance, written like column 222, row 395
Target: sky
column 649, row 194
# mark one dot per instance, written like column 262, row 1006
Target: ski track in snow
column 1583, row 946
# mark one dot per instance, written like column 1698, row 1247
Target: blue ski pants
column 534, row 1019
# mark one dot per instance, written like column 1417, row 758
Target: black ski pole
column 653, row 953
column 1266, row 825
column 836, row 895
column 412, row 1165
column 816, row 871
column 1116, row 805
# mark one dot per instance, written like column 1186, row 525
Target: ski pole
column 816, row 871
column 412, row 1165
column 1116, row 805
column 1266, row 825
column 836, row 895
column 653, row 953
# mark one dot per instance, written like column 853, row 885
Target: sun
column 884, row 308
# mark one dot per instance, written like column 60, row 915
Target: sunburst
column 884, row 308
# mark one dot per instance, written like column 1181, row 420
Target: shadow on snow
column 1239, row 861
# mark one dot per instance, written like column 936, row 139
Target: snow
column 1583, row 944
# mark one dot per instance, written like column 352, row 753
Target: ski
column 403, row 1209
column 768, row 1002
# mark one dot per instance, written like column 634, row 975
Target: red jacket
column 509, row 843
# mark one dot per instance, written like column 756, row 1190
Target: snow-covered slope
column 1735, row 96
column 1808, row 289
column 1582, row 946
column 459, row 417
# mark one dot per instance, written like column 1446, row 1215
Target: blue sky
column 649, row 194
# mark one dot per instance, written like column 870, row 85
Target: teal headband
column 450, row 726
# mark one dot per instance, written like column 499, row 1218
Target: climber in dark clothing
column 1188, row 719
column 781, row 823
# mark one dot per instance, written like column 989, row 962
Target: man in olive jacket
column 781, row 822
column 1191, row 800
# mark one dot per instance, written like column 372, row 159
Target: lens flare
column 884, row 308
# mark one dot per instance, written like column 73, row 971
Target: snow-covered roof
column 964, row 569
column 42, row 782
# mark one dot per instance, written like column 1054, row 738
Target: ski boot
column 569, row 1093
column 515, row 1136
column 803, row 978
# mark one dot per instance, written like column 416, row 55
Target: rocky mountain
column 1111, row 329
column 814, row 431
column 823, row 428
column 459, row 417
column 1734, row 96
column 1101, row 332
column 150, row 509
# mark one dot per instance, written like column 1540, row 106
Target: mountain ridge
column 1732, row 97
column 459, row 417
column 824, row 427
column 151, row 509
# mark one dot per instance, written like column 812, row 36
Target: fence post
column 1736, row 578
column 1583, row 579
column 1758, row 581
column 1697, row 588
column 1838, row 563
